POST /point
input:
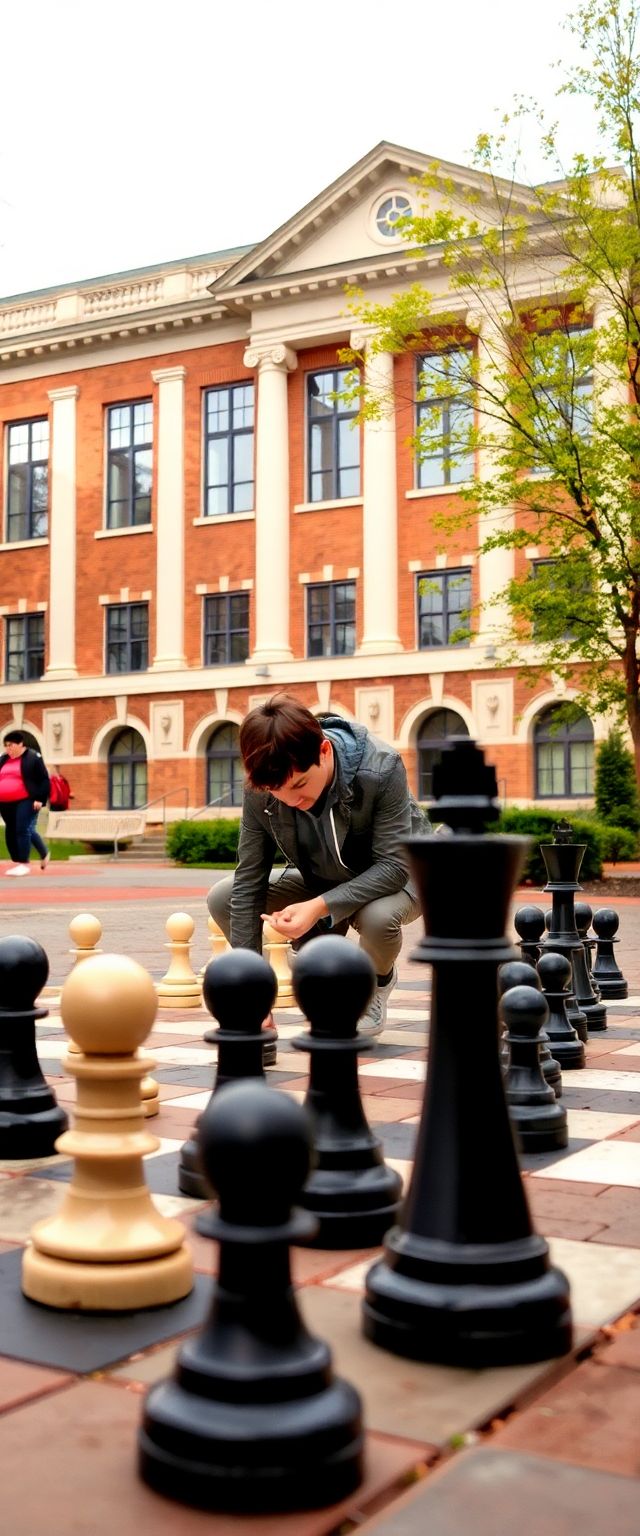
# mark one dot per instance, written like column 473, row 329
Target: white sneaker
column 18, row 869
column 375, row 1017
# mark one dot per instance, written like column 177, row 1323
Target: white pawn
column 219, row 945
column 107, row 1247
column 277, row 950
column 179, row 987
column 85, row 932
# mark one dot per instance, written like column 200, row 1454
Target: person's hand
column 37, row 805
column 297, row 919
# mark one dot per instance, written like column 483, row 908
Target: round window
column 393, row 208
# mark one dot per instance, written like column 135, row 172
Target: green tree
column 554, row 378
column 616, row 789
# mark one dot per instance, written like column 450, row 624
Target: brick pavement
column 564, row 1434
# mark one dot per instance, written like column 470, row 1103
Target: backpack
column 60, row 793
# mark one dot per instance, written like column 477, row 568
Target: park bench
column 114, row 827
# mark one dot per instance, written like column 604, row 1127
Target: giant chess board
column 71, row 1384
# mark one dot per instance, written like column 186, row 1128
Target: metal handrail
column 177, row 790
column 201, row 808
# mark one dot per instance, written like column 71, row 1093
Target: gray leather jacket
column 368, row 817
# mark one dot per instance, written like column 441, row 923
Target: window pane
column 430, row 472
column 243, row 403
column 142, row 472
column 581, row 767
column 243, row 457
column 139, row 784
column 239, row 646
column 218, row 462
column 218, row 410
column 551, row 779
column 319, row 604
column 320, row 387
column 119, row 478
column 348, row 445
column 318, row 642
column 19, row 443
column 18, row 504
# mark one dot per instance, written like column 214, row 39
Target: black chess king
column 464, row 1278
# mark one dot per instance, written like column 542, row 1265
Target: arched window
column 563, row 755
column 127, row 771
column 225, row 773
column 435, row 732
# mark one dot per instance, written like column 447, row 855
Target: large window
column 444, row 606
column 225, row 773
column 333, row 440
column 127, row 772
column 130, row 464
column 562, row 378
column 434, row 734
column 331, row 618
column 229, row 421
column 445, row 418
column 563, row 751
column 28, row 480
column 127, row 637
column 24, row 648
column 226, row 628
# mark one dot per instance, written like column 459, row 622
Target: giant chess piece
column 238, row 990
column 583, row 915
column 464, row 1279
column 606, row 971
column 562, row 859
column 31, row 1120
column 554, row 971
column 217, row 944
column 350, row 1190
column 529, row 925
column 254, row 1418
column 85, row 932
column 277, row 951
column 539, row 1121
column 107, row 1248
column 517, row 974
column 179, row 987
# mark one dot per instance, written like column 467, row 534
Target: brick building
column 190, row 522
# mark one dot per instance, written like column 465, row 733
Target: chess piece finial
column 254, row 1419
column 85, row 932
column 30, row 1118
column 179, row 987
column 114, row 1252
column 562, row 832
column 351, row 1191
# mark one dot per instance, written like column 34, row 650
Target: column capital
column 168, row 375
column 270, row 354
column 68, row 392
column 360, row 336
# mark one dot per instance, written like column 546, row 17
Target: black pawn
column 254, row 1419
column 529, row 924
column 540, row 1123
column 31, row 1120
column 516, row 973
column 238, row 989
column 352, row 1193
column 584, row 916
column 554, row 971
column 606, row 971
column 464, row 1279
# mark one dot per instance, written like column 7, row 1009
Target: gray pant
column 379, row 923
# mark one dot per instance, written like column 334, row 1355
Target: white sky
column 134, row 131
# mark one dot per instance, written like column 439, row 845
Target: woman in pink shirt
column 24, row 788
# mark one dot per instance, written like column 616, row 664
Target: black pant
column 17, row 816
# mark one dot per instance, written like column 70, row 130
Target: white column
column 380, row 511
column 62, row 536
column 272, row 582
column 496, row 568
column 169, row 653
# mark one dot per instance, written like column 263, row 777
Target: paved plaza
column 549, row 1448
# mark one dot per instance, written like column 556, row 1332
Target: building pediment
column 349, row 226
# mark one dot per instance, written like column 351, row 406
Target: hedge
column 539, row 824
column 204, row 842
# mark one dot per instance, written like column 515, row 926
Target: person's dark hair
column 278, row 738
column 17, row 736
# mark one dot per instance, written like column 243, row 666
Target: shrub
column 204, row 842
column 616, row 789
column 538, row 824
column 618, row 843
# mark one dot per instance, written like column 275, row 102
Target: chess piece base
column 370, row 1203
column 612, row 988
column 191, row 1179
column 596, row 1016
column 468, row 1323
column 178, row 997
column 77, row 1287
column 31, row 1135
column 253, row 1457
column 569, row 1054
column 150, row 1096
column 552, row 1074
column 539, row 1130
